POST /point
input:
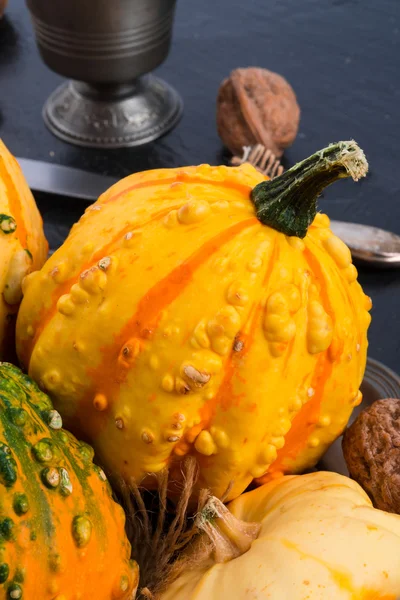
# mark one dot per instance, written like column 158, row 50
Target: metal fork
column 263, row 159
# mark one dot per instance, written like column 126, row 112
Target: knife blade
column 64, row 181
column 369, row 245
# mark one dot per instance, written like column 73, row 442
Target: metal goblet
column 106, row 48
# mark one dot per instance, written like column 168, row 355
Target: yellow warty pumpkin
column 318, row 538
column 173, row 321
column 23, row 247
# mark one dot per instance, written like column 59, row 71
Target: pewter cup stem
column 107, row 50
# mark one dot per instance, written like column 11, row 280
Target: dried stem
column 230, row 537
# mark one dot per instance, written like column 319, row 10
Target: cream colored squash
column 320, row 539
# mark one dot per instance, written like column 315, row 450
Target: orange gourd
column 61, row 534
column 23, row 247
column 205, row 311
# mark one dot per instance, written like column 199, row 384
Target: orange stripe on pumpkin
column 14, row 201
column 146, row 318
column 346, row 295
column 182, row 177
column 225, row 395
column 315, row 267
column 304, row 423
column 46, row 315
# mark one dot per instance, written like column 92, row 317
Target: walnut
column 257, row 106
column 371, row 448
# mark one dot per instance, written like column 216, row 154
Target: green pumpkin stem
column 288, row 203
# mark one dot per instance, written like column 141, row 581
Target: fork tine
column 264, row 158
column 270, row 164
column 261, row 148
column 252, row 155
column 258, row 152
column 275, row 168
column 239, row 160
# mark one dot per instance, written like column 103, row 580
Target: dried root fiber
column 159, row 531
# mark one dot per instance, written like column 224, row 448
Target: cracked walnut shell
column 257, row 106
column 371, row 448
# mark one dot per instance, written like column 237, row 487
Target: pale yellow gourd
column 319, row 538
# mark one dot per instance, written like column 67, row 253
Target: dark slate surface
column 342, row 58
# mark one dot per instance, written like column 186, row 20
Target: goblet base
column 113, row 116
